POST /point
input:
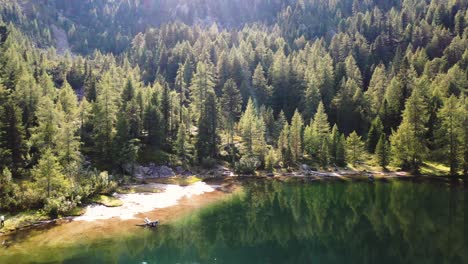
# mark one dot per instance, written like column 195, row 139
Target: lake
column 274, row 222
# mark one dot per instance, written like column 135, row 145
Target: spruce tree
column 13, row 147
column 207, row 138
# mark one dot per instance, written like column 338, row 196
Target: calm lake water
column 273, row 222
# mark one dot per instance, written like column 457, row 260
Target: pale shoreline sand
column 137, row 203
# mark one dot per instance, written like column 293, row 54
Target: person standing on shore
column 2, row 219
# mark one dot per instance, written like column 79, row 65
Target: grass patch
column 182, row 181
column 108, row 201
column 139, row 189
column 22, row 219
column 77, row 211
column 434, row 169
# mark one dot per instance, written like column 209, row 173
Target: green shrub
column 248, row 164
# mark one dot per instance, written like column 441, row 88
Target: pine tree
column 408, row 142
column 354, row 148
column 295, row 136
column 382, row 151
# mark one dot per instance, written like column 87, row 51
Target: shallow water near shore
column 274, row 222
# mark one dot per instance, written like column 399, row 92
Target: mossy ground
column 108, row 201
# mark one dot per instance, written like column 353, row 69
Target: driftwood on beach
column 149, row 223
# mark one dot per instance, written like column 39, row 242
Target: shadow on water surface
column 274, row 222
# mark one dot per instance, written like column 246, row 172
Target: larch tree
column 408, row 142
column 203, row 83
column 317, row 132
column 231, row 106
column 105, row 117
column 262, row 92
column 354, row 148
column 451, row 115
column 68, row 141
column 295, row 136
column 252, row 130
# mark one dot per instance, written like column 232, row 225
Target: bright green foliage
column 68, row 141
column 354, row 148
column 49, row 177
column 252, row 130
column 295, row 136
column 317, row 132
column 201, row 87
column 376, row 90
column 408, row 142
column 262, row 91
column 105, row 111
column 8, row 190
column 452, row 115
column 271, row 160
column 45, row 134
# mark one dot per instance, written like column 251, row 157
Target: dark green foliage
column 176, row 90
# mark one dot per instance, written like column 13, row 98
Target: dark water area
column 274, row 222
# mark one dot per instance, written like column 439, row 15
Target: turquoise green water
column 272, row 222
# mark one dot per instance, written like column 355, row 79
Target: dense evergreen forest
column 89, row 89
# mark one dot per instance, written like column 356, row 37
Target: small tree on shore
column 354, row 148
column 383, row 152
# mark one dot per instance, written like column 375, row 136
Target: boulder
column 153, row 171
